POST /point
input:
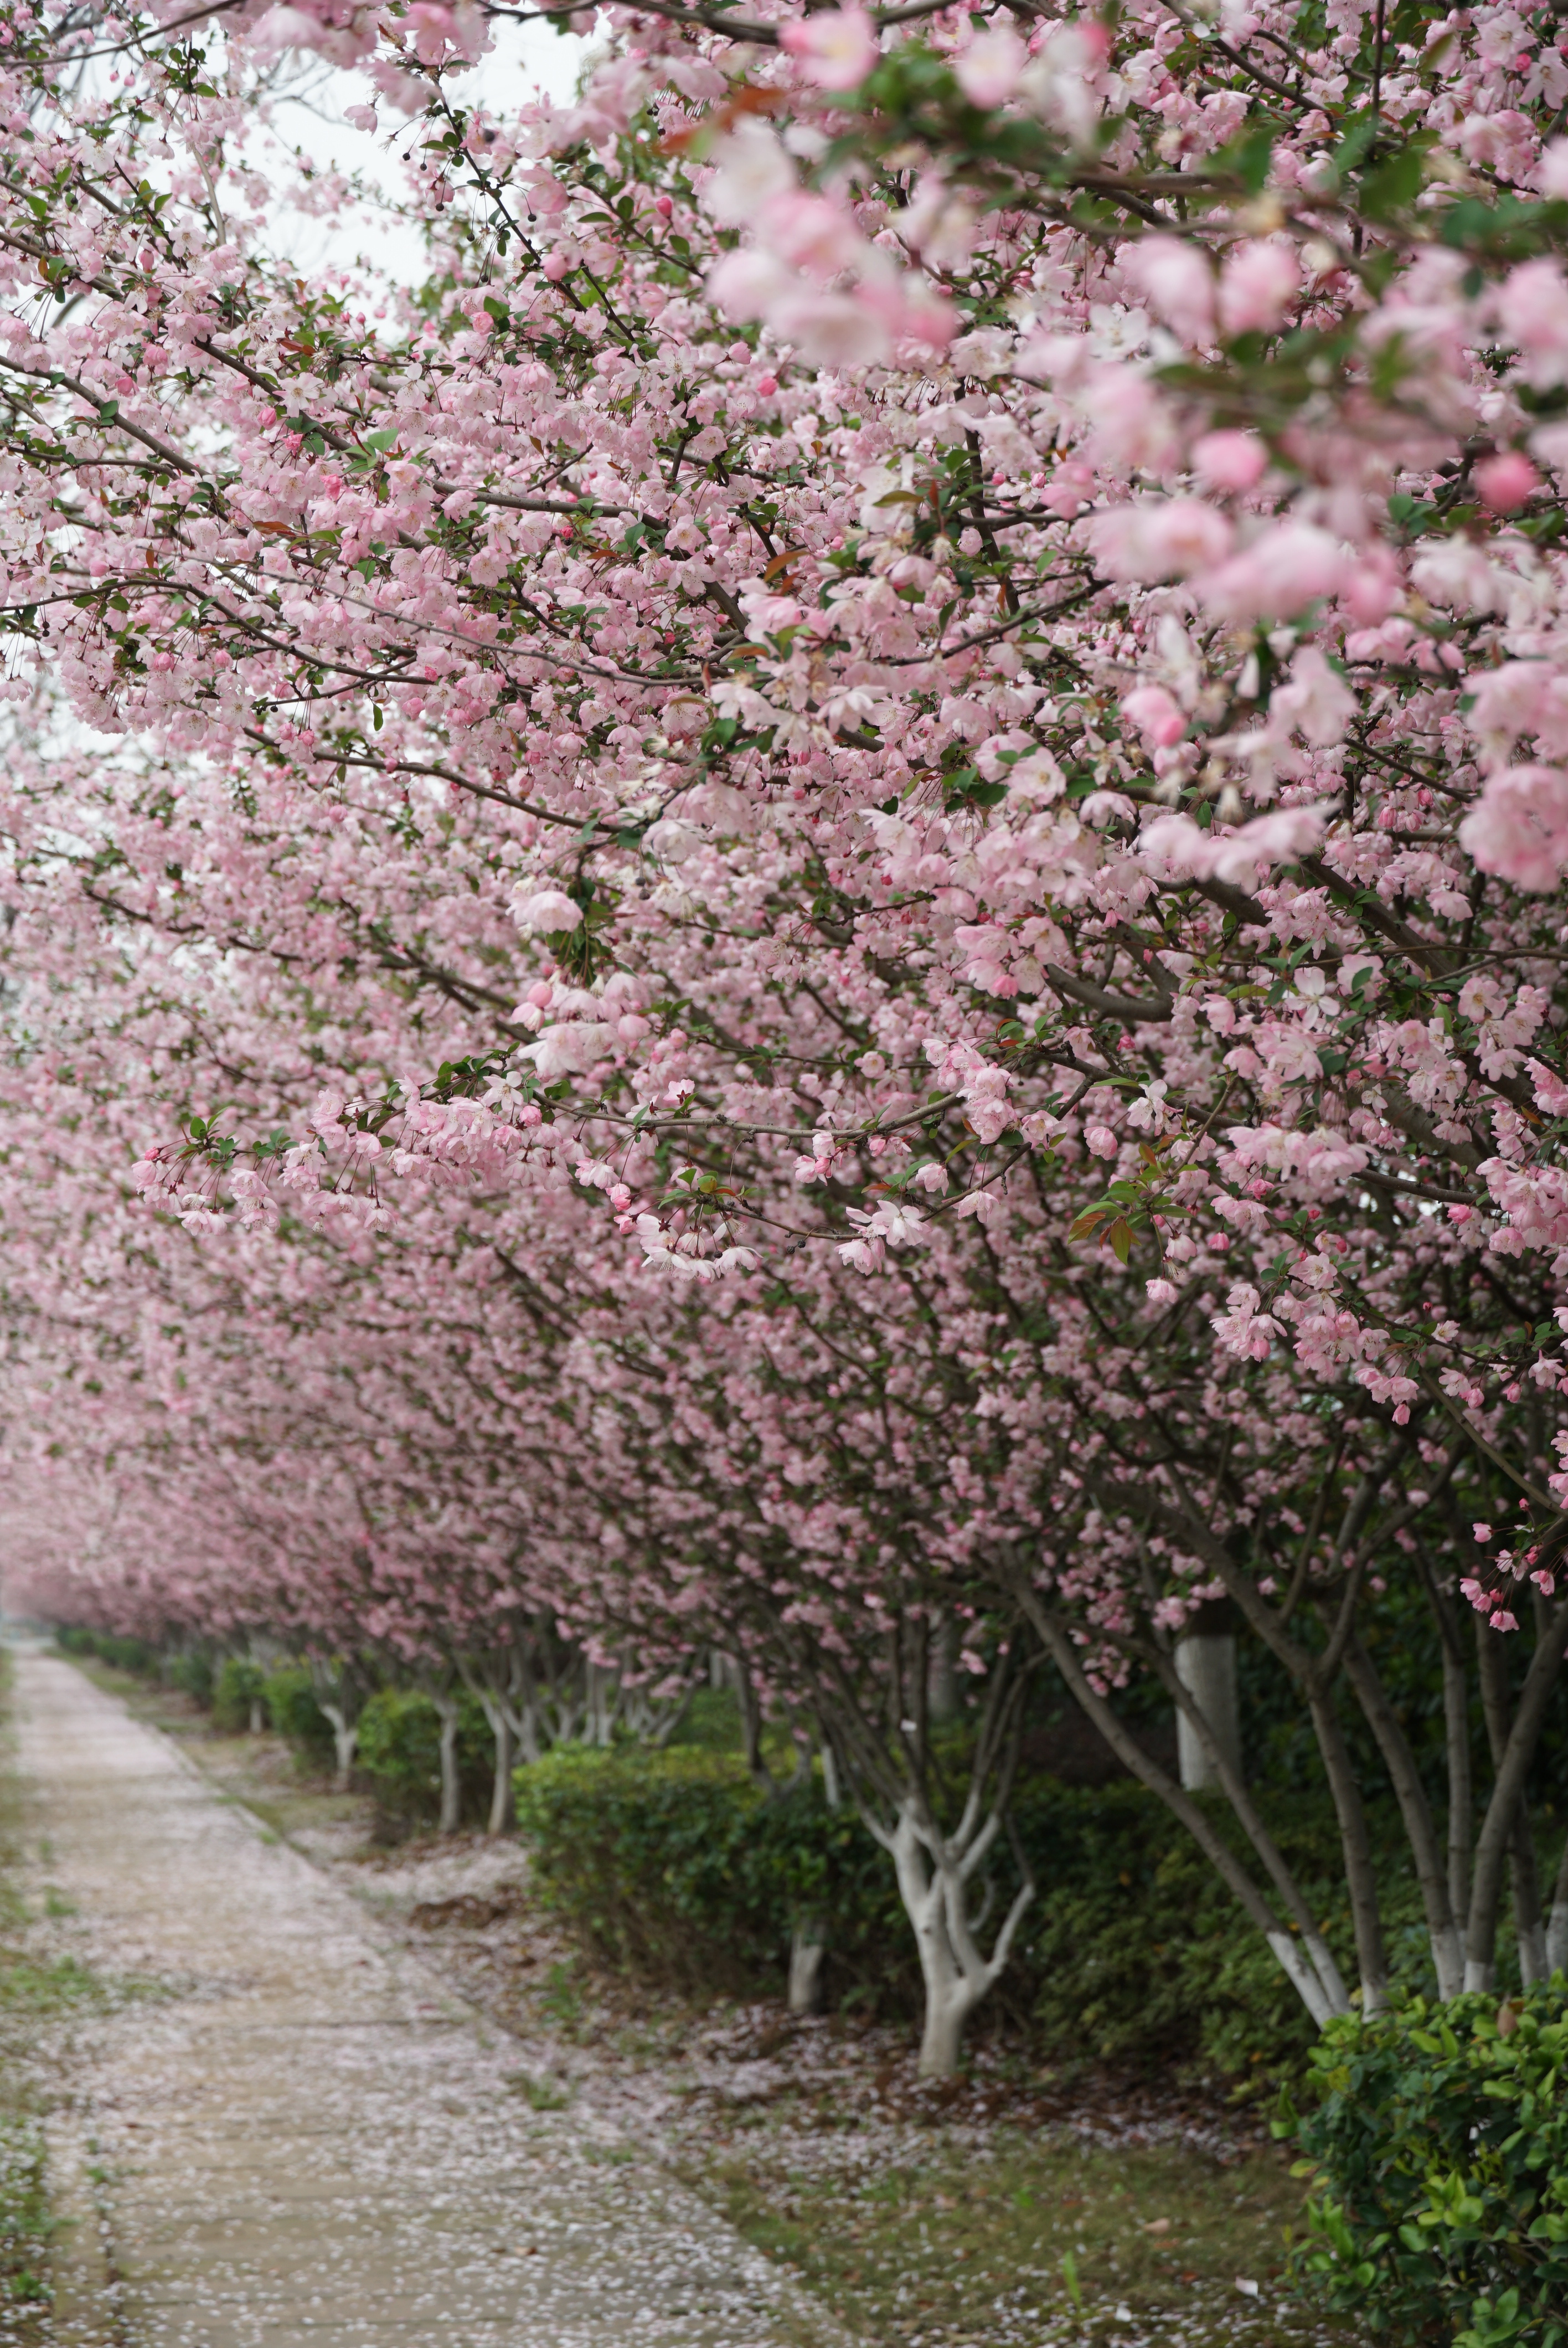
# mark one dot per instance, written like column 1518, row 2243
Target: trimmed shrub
column 1137, row 1952
column 237, row 1690
column 292, row 1709
column 1439, row 2148
column 653, row 1860
column 400, row 1756
column 192, row 1673
column 123, row 1655
column 676, row 1865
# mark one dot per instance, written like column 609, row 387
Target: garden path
column 297, row 2139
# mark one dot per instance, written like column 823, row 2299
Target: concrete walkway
column 302, row 2141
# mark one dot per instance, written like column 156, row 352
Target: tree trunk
column 345, row 1742
column 1307, row 1962
column 258, row 1720
column 1366, row 1914
column 501, row 1792
column 942, row 1689
column 954, row 1975
column 451, row 1791
column 1557, row 1928
column 1461, row 1798
column 948, row 1998
column 1205, row 1666
column 807, row 1950
column 942, row 2036
column 1496, row 1839
column 1442, row 1923
column 1528, row 1923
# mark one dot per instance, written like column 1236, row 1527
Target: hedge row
column 399, row 1758
column 676, row 1865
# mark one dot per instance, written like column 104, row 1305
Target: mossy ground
column 1032, row 2241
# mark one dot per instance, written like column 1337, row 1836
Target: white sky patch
column 526, row 60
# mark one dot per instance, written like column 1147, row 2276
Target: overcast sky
column 527, row 59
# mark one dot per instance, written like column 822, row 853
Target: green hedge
column 400, row 1756
column 291, row 1700
column 1439, row 2143
column 675, row 1865
column 123, row 1654
column 240, row 1686
column 192, row 1673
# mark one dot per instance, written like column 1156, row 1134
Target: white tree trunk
column 932, row 1883
column 1557, row 1938
column 1205, row 1666
column 807, row 1950
column 1557, row 1921
column 451, row 1792
column 501, row 1793
column 345, row 1742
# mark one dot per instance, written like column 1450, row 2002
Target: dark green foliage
column 654, row 1860
column 677, row 1865
column 192, row 1673
column 292, row 1707
column 710, row 1720
column 122, row 1654
column 400, row 1756
column 1136, row 1953
column 1440, row 2142
column 238, row 1687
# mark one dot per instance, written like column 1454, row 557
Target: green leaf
column 1395, row 184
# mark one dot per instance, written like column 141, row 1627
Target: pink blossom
column 1316, row 702
column 1167, row 537
column 830, row 329
column 1158, row 718
column 1551, row 1092
column 1533, row 310
column 809, row 233
column 1229, row 460
column 1257, row 285
column 1285, row 567
column 1519, row 828
column 1243, row 1330
column 1506, row 482
column 1101, row 1141
column 837, row 48
column 1176, row 281
column 989, row 68
column 751, row 169
column 546, row 908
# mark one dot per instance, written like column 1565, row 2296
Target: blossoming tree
column 932, row 651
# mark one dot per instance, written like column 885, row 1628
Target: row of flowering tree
column 817, row 913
